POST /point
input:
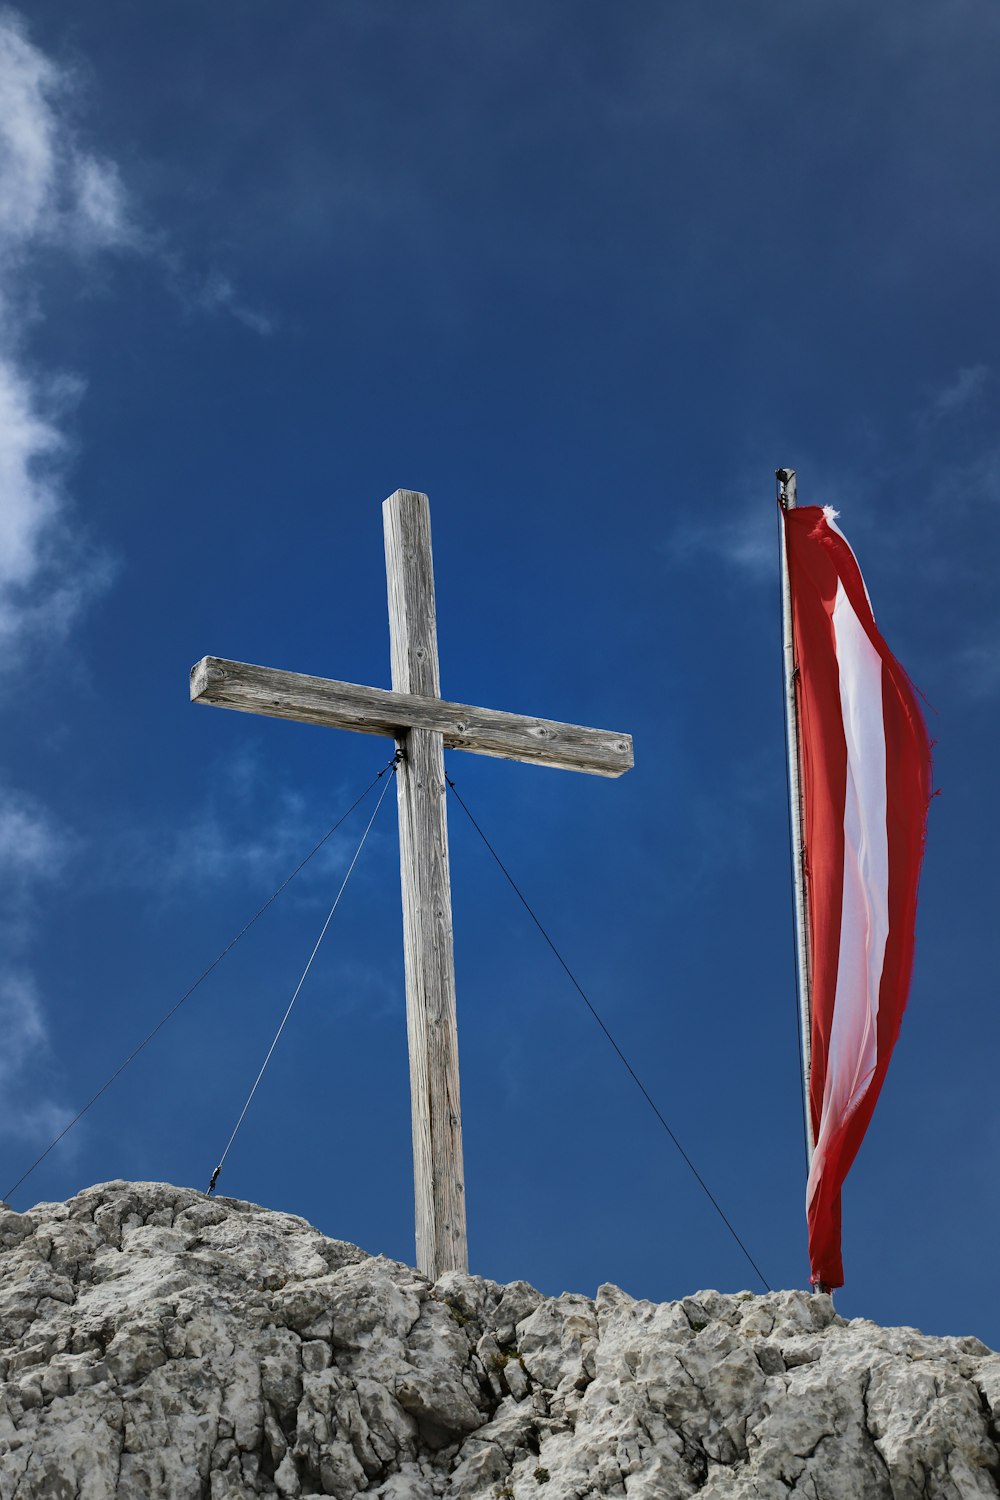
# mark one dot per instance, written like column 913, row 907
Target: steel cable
column 302, row 980
column 200, row 980
column 593, row 1011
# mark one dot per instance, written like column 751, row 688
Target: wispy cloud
column 244, row 831
column 741, row 528
column 29, row 1113
column 366, row 988
column 214, row 848
column 887, row 480
column 49, row 567
column 921, row 505
column 57, row 197
column 61, row 202
column 32, row 846
column 978, row 665
column 23, row 1027
column 971, row 478
column 725, row 824
column 51, row 190
column 959, row 393
column 744, row 541
column 216, row 293
column 34, row 852
column 54, row 195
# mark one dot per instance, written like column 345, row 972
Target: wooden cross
column 423, row 724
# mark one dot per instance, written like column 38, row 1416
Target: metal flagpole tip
column 786, row 488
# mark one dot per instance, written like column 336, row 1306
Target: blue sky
column 586, row 274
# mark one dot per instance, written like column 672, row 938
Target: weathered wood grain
column 439, row 1180
column 346, row 705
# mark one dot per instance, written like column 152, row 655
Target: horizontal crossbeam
column 345, row 705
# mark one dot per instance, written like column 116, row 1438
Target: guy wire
column 201, row 978
column 593, row 1011
column 350, row 871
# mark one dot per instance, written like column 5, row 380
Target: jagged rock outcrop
column 155, row 1343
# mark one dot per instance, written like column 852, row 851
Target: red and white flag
column 866, row 783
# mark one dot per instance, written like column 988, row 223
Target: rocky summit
column 157, row 1343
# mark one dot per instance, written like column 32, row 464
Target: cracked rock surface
column 155, row 1343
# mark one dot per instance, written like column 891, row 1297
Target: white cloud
column 352, row 987
column 101, row 218
column 26, row 1115
column 973, row 482
column 28, row 445
column 48, row 567
column 245, row 831
column 32, row 847
column 212, row 851
column 979, row 666
column 53, row 194
column 960, row 393
column 884, row 481
column 215, row 850
column 57, row 197
column 27, row 147
column 218, row 294
column 745, row 540
column 51, row 190
column 739, row 528
column 921, row 510
column 34, row 850
column 24, row 1031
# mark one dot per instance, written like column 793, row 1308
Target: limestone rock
column 158, row 1345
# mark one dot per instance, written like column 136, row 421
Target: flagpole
column 793, row 743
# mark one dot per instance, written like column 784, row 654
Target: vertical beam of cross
column 429, row 955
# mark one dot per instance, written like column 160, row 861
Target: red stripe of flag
column 866, row 782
